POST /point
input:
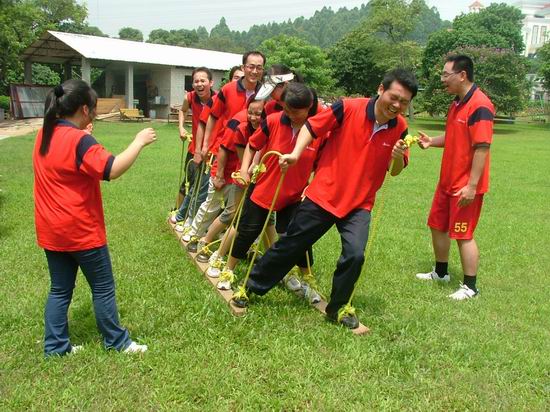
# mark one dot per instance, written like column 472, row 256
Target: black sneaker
column 193, row 245
column 349, row 321
column 240, row 302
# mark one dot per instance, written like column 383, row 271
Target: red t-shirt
column 196, row 106
column 469, row 125
column 353, row 163
column 68, row 209
column 276, row 133
column 214, row 142
column 227, row 143
column 231, row 99
column 272, row 106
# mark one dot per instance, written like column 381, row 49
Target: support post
column 130, row 86
column 86, row 70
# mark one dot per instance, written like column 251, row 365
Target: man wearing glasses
column 232, row 98
column 464, row 176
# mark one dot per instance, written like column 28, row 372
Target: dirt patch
column 10, row 128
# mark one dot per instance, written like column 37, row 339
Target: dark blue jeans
column 189, row 201
column 96, row 267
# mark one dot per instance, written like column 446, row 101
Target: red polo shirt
column 272, row 106
column 196, row 106
column 231, row 99
column 353, row 163
column 68, row 209
column 276, row 133
column 214, row 142
column 227, row 143
column 469, row 126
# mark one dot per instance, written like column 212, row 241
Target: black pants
column 310, row 223
column 252, row 222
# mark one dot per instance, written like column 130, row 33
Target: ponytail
column 315, row 104
column 64, row 100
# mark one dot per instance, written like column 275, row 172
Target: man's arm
column 210, row 124
column 245, row 164
column 425, row 141
column 467, row 194
column 182, row 114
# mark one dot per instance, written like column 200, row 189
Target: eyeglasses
column 251, row 67
column 447, row 75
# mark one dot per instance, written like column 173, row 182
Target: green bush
column 5, row 103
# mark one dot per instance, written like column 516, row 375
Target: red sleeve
column 480, row 126
column 93, row 159
column 326, row 120
column 259, row 139
column 240, row 135
column 218, row 107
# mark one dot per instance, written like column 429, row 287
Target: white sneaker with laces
column 227, row 277
column 292, row 283
column 135, row 348
column 181, row 227
column 75, row 349
column 433, row 276
column 215, row 268
column 463, row 293
column 213, row 257
column 187, row 237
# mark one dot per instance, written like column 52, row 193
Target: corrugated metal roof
column 105, row 48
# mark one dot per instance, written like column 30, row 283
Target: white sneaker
column 310, row 294
column 215, row 268
column 182, row 228
column 433, row 276
column 464, row 292
column 75, row 349
column 213, row 257
column 227, row 277
column 135, row 348
column 187, row 237
column 292, row 283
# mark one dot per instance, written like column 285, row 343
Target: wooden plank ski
column 225, row 294
column 321, row 307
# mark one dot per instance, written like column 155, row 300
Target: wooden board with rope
column 225, row 294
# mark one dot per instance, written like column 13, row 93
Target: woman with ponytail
column 68, row 167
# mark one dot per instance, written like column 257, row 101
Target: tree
column 310, row 61
column 381, row 43
column 129, row 33
column 493, row 38
column 543, row 57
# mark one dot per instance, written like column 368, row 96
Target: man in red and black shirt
column 364, row 137
column 464, row 176
column 232, row 98
column 196, row 100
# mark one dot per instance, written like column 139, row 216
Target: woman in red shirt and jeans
column 68, row 166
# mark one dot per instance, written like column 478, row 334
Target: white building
column 130, row 68
column 536, row 24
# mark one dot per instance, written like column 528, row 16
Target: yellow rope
column 241, row 292
column 348, row 309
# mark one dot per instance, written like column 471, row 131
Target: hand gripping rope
column 205, row 168
column 348, row 309
column 241, row 291
column 188, row 138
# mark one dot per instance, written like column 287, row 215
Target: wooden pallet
column 227, row 294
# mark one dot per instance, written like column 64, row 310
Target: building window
column 542, row 34
column 188, row 83
column 535, row 35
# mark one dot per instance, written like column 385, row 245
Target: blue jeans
column 189, row 201
column 96, row 266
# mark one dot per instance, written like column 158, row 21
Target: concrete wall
column 161, row 77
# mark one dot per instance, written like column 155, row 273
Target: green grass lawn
column 424, row 351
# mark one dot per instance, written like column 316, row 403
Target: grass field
column 424, row 351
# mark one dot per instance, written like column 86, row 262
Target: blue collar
column 63, row 122
column 468, row 95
